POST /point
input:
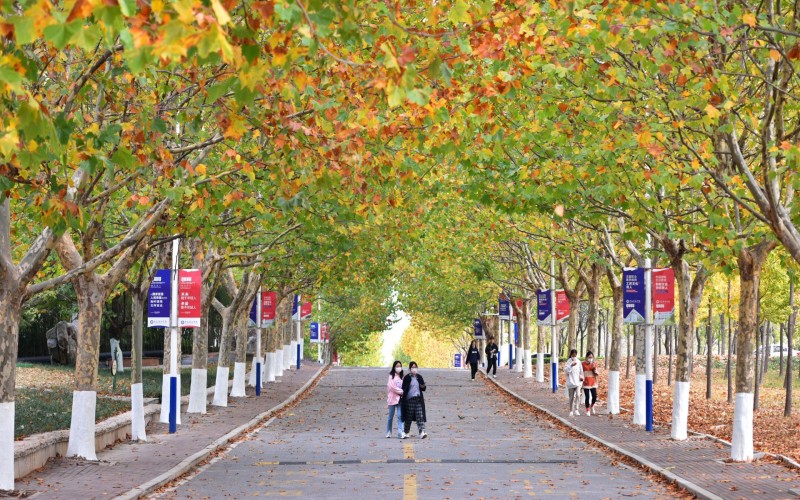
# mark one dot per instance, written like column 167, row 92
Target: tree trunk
column 670, row 339
column 525, row 330
column 780, row 335
column 240, row 366
column 787, row 406
column 616, row 343
column 540, row 341
column 10, row 306
column 657, row 352
column 710, row 341
column 628, row 357
column 593, row 289
column 750, row 260
column 138, row 432
column 639, row 400
column 223, row 361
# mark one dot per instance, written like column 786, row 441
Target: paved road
column 333, row 445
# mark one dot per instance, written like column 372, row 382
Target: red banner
column 190, row 293
column 305, row 310
column 562, row 306
column 663, row 295
column 520, row 305
column 268, row 304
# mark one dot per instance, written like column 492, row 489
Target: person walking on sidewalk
column 574, row 371
column 491, row 356
column 590, row 382
column 413, row 402
column 394, row 390
column 473, row 358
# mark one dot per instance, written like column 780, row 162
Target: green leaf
column 61, row 34
column 128, row 7
column 23, row 29
column 123, row 157
column 460, row 13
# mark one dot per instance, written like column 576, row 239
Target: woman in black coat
column 412, row 402
column 473, row 357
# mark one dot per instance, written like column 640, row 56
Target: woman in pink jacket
column 394, row 389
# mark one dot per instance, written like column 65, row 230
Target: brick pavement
column 697, row 460
column 129, row 465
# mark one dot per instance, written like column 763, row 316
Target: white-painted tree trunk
column 278, row 365
column 526, row 356
column 7, row 445
column 742, row 442
column 81, row 429
column 137, row 413
column 269, row 367
column 540, row 367
column 221, row 387
column 238, row 389
column 120, row 363
column 639, row 400
column 613, row 393
column 292, row 353
column 680, row 413
column 197, row 391
column 518, row 365
column 251, row 379
column 287, row 357
column 165, row 400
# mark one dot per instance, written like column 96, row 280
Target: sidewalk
column 697, row 464
column 127, row 466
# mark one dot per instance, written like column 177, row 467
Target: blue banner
column 314, row 333
column 633, row 296
column 516, row 334
column 543, row 307
column 504, row 308
column 253, row 312
column 457, row 360
column 296, row 308
column 476, row 324
column 159, row 299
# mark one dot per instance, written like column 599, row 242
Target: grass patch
column 44, row 394
column 44, row 410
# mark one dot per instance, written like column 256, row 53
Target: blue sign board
column 159, row 299
column 457, row 360
column 543, row 307
column 296, row 308
column 516, row 333
column 314, row 332
column 633, row 296
column 476, row 324
column 504, row 308
column 253, row 311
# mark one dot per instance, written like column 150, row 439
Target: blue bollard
column 510, row 356
column 648, row 391
column 173, row 404
column 298, row 355
column 554, row 376
column 258, row 378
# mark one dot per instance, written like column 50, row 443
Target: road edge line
column 683, row 483
column 192, row 460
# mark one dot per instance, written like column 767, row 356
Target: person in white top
column 574, row 372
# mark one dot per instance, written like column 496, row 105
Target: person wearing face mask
column 491, row 356
column 412, row 401
column 394, row 390
column 590, row 383
column 473, row 358
column 574, row 372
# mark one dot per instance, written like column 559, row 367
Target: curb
column 189, row 462
column 683, row 483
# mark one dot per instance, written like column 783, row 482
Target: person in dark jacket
column 473, row 358
column 491, row 356
column 412, row 402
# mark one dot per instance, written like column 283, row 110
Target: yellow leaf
column 200, row 169
column 222, row 15
column 749, row 19
column 774, row 55
column 712, row 112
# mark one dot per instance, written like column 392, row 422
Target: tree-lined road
column 333, row 445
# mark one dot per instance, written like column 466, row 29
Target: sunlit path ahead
column 333, row 445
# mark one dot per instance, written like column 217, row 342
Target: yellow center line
column 410, row 487
column 408, row 451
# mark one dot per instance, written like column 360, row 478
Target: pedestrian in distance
column 491, row 356
column 590, row 383
column 394, row 390
column 574, row 371
column 473, row 358
column 413, row 402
